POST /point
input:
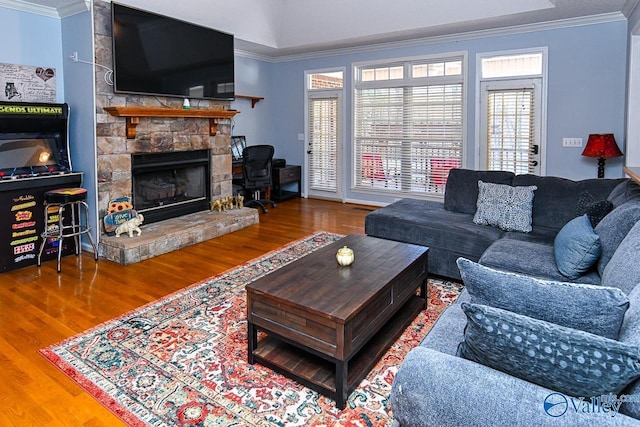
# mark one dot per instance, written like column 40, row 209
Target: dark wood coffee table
column 325, row 325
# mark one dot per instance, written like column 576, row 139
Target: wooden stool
column 73, row 198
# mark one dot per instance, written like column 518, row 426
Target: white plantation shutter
column 323, row 143
column 511, row 130
column 408, row 133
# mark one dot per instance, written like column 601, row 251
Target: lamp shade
column 602, row 145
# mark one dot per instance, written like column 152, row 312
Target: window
column 511, row 114
column 510, row 134
column 326, row 80
column 408, row 125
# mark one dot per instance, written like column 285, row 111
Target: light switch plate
column 572, row 142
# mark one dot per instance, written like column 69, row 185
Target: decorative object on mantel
column 603, row 146
column 130, row 226
column 133, row 115
column 120, row 210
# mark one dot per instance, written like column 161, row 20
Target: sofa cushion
column 448, row 235
column 626, row 191
column 595, row 209
column 623, row 270
column 576, row 248
column 570, row 361
column 530, row 258
column 504, row 206
column 630, row 334
column 613, row 228
column 556, row 198
column 461, row 191
column 599, row 310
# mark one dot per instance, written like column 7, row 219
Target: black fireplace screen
column 167, row 185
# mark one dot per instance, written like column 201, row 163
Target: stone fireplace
column 120, row 156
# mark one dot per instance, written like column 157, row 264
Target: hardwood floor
column 39, row 307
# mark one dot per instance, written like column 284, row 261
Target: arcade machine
column 34, row 158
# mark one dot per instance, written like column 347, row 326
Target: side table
column 290, row 174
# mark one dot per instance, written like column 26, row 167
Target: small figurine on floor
column 130, row 226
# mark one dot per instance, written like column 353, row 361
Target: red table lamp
column 603, row 146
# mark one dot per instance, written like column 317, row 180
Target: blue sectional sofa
column 447, row 228
column 524, row 344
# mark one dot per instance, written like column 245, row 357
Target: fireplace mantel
column 133, row 115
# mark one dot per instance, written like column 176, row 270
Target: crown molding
column 73, row 8
column 517, row 29
column 253, row 55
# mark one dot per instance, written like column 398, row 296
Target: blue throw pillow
column 572, row 362
column 623, row 270
column 504, row 206
column 596, row 309
column 576, row 247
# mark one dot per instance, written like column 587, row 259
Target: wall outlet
column 572, row 142
column 301, row 137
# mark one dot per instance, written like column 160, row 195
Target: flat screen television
column 159, row 55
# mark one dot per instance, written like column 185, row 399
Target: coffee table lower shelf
column 318, row 371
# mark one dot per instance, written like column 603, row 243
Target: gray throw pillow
column 630, row 334
column 613, row 228
column 596, row 309
column 623, row 192
column 572, row 362
column 576, row 247
column 623, row 270
column 461, row 190
column 504, row 206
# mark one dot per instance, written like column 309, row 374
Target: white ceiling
column 285, row 27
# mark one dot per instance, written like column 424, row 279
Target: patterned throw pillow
column 572, row 362
column 596, row 309
column 595, row 209
column 576, row 247
column 504, row 206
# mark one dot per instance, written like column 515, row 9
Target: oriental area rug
column 182, row 360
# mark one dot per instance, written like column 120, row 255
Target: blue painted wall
column 587, row 84
column 79, row 84
column 35, row 40
column 254, row 78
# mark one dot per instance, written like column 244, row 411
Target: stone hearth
column 175, row 233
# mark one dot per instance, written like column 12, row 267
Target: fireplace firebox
column 171, row 184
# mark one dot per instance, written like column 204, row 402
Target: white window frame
column 408, row 80
column 544, row 50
